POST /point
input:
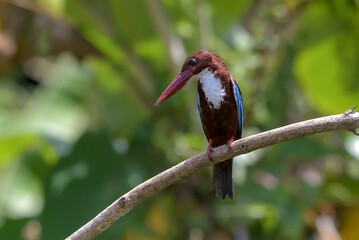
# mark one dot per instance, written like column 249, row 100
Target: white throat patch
column 212, row 88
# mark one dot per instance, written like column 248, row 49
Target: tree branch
column 347, row 121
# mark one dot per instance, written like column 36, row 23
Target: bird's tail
column 222, row 180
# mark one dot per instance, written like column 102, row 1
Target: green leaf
column 327, row 65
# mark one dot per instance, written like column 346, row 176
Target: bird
column 220, row 106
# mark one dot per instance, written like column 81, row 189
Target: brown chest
column 220, row 123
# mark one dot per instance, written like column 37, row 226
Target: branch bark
column 347, row 121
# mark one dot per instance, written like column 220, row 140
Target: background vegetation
column 78, row 125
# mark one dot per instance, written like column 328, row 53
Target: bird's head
column 192, row 67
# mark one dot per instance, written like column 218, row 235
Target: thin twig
column 347, row 121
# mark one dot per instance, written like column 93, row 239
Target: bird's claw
column 210, row 156
column 210, row 150
column 230, row 143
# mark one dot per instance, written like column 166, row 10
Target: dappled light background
column 78, row 125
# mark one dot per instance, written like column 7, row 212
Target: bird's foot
column 230, row 142
column 210, row 150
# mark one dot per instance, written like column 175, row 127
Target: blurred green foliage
column 78, row 125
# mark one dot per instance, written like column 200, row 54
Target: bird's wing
column 200, row 114
column 239, row 103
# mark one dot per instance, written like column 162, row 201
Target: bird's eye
column 192, row 61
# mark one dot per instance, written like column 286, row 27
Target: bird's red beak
column 175, row 85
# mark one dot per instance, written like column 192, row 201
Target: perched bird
column 220, row 107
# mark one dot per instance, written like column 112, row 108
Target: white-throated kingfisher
column 220, row 107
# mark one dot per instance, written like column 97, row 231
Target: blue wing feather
column 239, row 103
